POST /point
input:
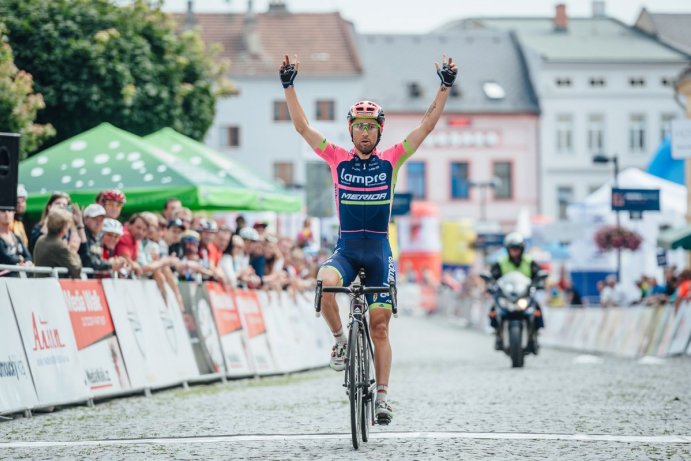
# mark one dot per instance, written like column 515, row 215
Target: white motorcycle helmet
column 514, row 240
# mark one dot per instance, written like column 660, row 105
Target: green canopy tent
column 107, row 157
column 679, row 237
column 269, row 196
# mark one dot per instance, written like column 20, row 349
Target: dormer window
column 636, row 82
column 414, row 90
column 597, row 82
column 493, row 90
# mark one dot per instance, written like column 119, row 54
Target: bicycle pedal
column 383, row 420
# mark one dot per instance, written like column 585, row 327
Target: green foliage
column 95, row 61
column 18, row 103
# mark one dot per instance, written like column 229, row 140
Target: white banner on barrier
column 16, row 387
column 279, row 332
column 155, row 352
column 683, row 334
column 255, row 328
column 94, row 333
column 229, row 326
column 48, row 340
column 318, row 332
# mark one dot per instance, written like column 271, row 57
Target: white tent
column 595, row 211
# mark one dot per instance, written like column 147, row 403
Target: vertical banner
column 16, row 386
column 280, row 333
column 99, row 350
column 318, row 336
column 199, row 320
column 48, row 340
column 149, row 333
column 229, row 326
column 683, row 334
column 255, row 328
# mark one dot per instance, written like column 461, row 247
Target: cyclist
column 514, row 261
column 364, row 181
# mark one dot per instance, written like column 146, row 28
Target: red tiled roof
column 324, row 42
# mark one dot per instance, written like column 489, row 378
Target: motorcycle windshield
column 514, row 284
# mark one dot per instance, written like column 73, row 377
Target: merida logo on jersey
column 349, row 196
column 366, row 180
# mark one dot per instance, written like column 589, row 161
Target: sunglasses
column 113, row 203
column 362, row 126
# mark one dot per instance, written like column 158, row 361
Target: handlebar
column 356, row 290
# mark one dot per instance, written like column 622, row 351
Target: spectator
column 607, row 294
column 260, row 227
column 57, row 200
column 222, row 239
column 111, row 233
column 162, row 228
column 305, row 237
column 683, row 291
column 208, row 252
column 191, row 263
column 91, row 254
column 571, row 294
column 12, row 249
column 255, row 249
column 172, row 237
column 240, row 224
column 185, row 215
column 18, row 225
column 52, row 250
column 112, row 200
column 172, row 205
column 128, row 246
column 246, row 273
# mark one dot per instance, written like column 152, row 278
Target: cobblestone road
column 454, row 398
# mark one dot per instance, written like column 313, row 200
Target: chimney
column 189, row 18
column 561, row 21
column 250, row 36
column 599, row 9
column 278, row 6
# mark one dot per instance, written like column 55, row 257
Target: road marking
column 654, row 439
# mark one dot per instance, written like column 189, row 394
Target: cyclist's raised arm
column 447, row 73
column 288, row 72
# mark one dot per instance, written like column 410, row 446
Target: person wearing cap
column 17, row 225
column 112, row 200
column 172, row 236
column 191, row 264
column 91, row 253
column 208, row 252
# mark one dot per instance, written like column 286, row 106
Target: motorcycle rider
column 514, row 261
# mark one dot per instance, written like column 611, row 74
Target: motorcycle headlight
column 522, row 304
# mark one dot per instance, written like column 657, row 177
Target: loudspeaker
column 9, row 170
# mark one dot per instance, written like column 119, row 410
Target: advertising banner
column 255, row 328
column 668, row 328
column 199, row 319
column 16, row 387
column 282, row 340
column 318, row 336
column 94, row 333
column 683, row 334
column 48, row 340
column 147, row 334
column 229, row 327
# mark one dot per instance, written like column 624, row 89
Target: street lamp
column 483, row 186
column 603, row 159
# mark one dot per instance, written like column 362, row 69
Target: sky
column 414, row 16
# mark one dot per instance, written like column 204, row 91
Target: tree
column 18, row 103
column 95, row 61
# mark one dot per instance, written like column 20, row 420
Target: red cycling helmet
column 115, row 195
column 366, row 109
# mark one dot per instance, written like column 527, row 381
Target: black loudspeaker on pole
column 9, row 170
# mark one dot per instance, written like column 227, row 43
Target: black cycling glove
column 447, row 75
column 288, row 74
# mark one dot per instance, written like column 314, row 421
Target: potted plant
column 612, row 237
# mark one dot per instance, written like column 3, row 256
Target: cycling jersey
column 364, row 189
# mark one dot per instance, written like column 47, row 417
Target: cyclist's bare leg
column 379, row 328
column 329, row 305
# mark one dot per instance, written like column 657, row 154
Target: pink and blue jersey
column 364, row 188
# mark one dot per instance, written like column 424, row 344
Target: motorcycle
column 515, row 306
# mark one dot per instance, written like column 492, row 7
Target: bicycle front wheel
column 354, row 385
column 367, row 410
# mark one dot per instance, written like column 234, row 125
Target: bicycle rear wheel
column 354, row 387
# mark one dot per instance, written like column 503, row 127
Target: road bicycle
column 359, row 374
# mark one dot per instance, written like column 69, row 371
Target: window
column 564, row 133
column 416, row 179
column 283, row 172
column 459, row 180
column 281, row 113
column 597, row 82
column 564, row 198
column 230, row 136
column 325, row 109
column 596, row 133
column 637, row 82
column 666, row 125
column 414, row 90
column 493, row 90
column 563, row 81
column 637, row 133
column 504, row 188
